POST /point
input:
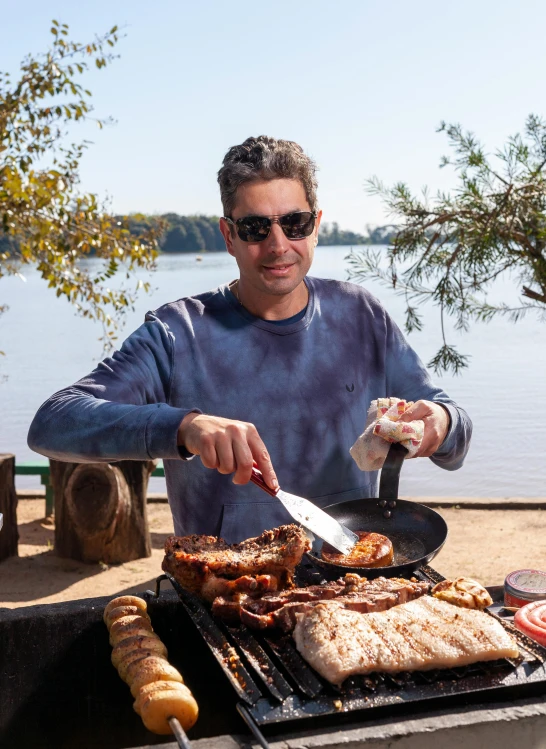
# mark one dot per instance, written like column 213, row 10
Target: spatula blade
column 314, row 519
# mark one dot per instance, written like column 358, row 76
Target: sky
column 361, row 85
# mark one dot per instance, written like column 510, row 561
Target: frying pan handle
column 390, row 473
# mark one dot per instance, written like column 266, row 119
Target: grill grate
column 277, row 685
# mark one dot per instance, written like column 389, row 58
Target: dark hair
column 265, row 158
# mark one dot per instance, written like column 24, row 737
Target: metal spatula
column 311, row 517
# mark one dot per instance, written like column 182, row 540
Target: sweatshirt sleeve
column 121, row 410
column 408, row 378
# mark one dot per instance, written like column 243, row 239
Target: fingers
column 436, row 423
column 229, row 446
column 243, row 462
column 427, row 448
column 418, row 410
column 263, row 460
column 225, row 454
column 206, row 448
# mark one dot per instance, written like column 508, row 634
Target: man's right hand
column 227, row 445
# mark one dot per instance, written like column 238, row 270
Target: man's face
column 277, row 265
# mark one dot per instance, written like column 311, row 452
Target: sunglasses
column 297, row 225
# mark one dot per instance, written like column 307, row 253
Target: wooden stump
column 100, row 510
column 9, row 535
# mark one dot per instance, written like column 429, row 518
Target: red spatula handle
column 258, row 479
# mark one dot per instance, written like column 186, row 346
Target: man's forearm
column 73, row 425
column 452, row 452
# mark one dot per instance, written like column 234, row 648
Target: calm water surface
column 504, row 390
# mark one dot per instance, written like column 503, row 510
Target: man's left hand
column 436, row 420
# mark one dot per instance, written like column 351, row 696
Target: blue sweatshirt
column 306, row 386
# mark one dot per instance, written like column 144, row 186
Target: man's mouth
column 278, row 270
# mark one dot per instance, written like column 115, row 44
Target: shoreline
column 468, row 503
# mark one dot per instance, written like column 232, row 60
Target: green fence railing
column 41, row 468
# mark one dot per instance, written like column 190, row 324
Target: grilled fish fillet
column 419, row 635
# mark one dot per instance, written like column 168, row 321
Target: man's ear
column 227, row 232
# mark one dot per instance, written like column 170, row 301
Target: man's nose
column 276, row 240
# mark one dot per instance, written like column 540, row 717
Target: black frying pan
column 417, row 532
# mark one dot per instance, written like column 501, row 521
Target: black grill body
column 276, row 686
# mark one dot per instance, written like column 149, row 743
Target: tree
column 450, row 250
column 191, row 234
column 204, row 226
column 380, row 234
column 174, row 239
column 194, row 239
column 337, row 236
column 46, row 222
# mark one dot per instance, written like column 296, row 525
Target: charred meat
column 351, row 592
column 209, row 567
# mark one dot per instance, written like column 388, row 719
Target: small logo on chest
column 350, row 388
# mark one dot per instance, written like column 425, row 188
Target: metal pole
column 180, row 734
column 251, row 723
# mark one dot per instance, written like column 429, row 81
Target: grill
column 276, row 686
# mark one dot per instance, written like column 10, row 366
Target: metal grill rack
column 275, row 685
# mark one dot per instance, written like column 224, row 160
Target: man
column 276, row 367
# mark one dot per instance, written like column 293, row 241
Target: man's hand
column 227, row 445
column 436, row 420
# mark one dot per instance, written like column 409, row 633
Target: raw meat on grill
column 420, row 635
column 209, row 567
column 351, row 592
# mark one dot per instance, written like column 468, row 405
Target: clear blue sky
column 361, row 85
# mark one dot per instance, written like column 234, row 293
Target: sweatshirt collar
column 267, row 325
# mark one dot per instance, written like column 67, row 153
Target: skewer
column 251, row 723
column 179, row 733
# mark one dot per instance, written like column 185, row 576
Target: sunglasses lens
column 298, row 225
column 253, row 228
column 295, row 226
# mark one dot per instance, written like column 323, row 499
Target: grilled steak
column 351, row 592
column 419, row 635
column 210, row 567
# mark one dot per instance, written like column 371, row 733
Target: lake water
column 47, row 347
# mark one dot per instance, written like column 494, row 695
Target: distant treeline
column 201, row 233
column 332, row 234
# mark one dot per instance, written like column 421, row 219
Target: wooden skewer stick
column 179, row 733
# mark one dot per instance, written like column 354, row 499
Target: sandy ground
column 484, row 544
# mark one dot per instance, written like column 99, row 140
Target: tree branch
column 526, row 291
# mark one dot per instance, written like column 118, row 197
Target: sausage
column 139, row 603
column 147, row 670
column 139, row 644
column 141, row 660
column 371, row 550
column 158, row 706
column 126, row 626
column 531, row 620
